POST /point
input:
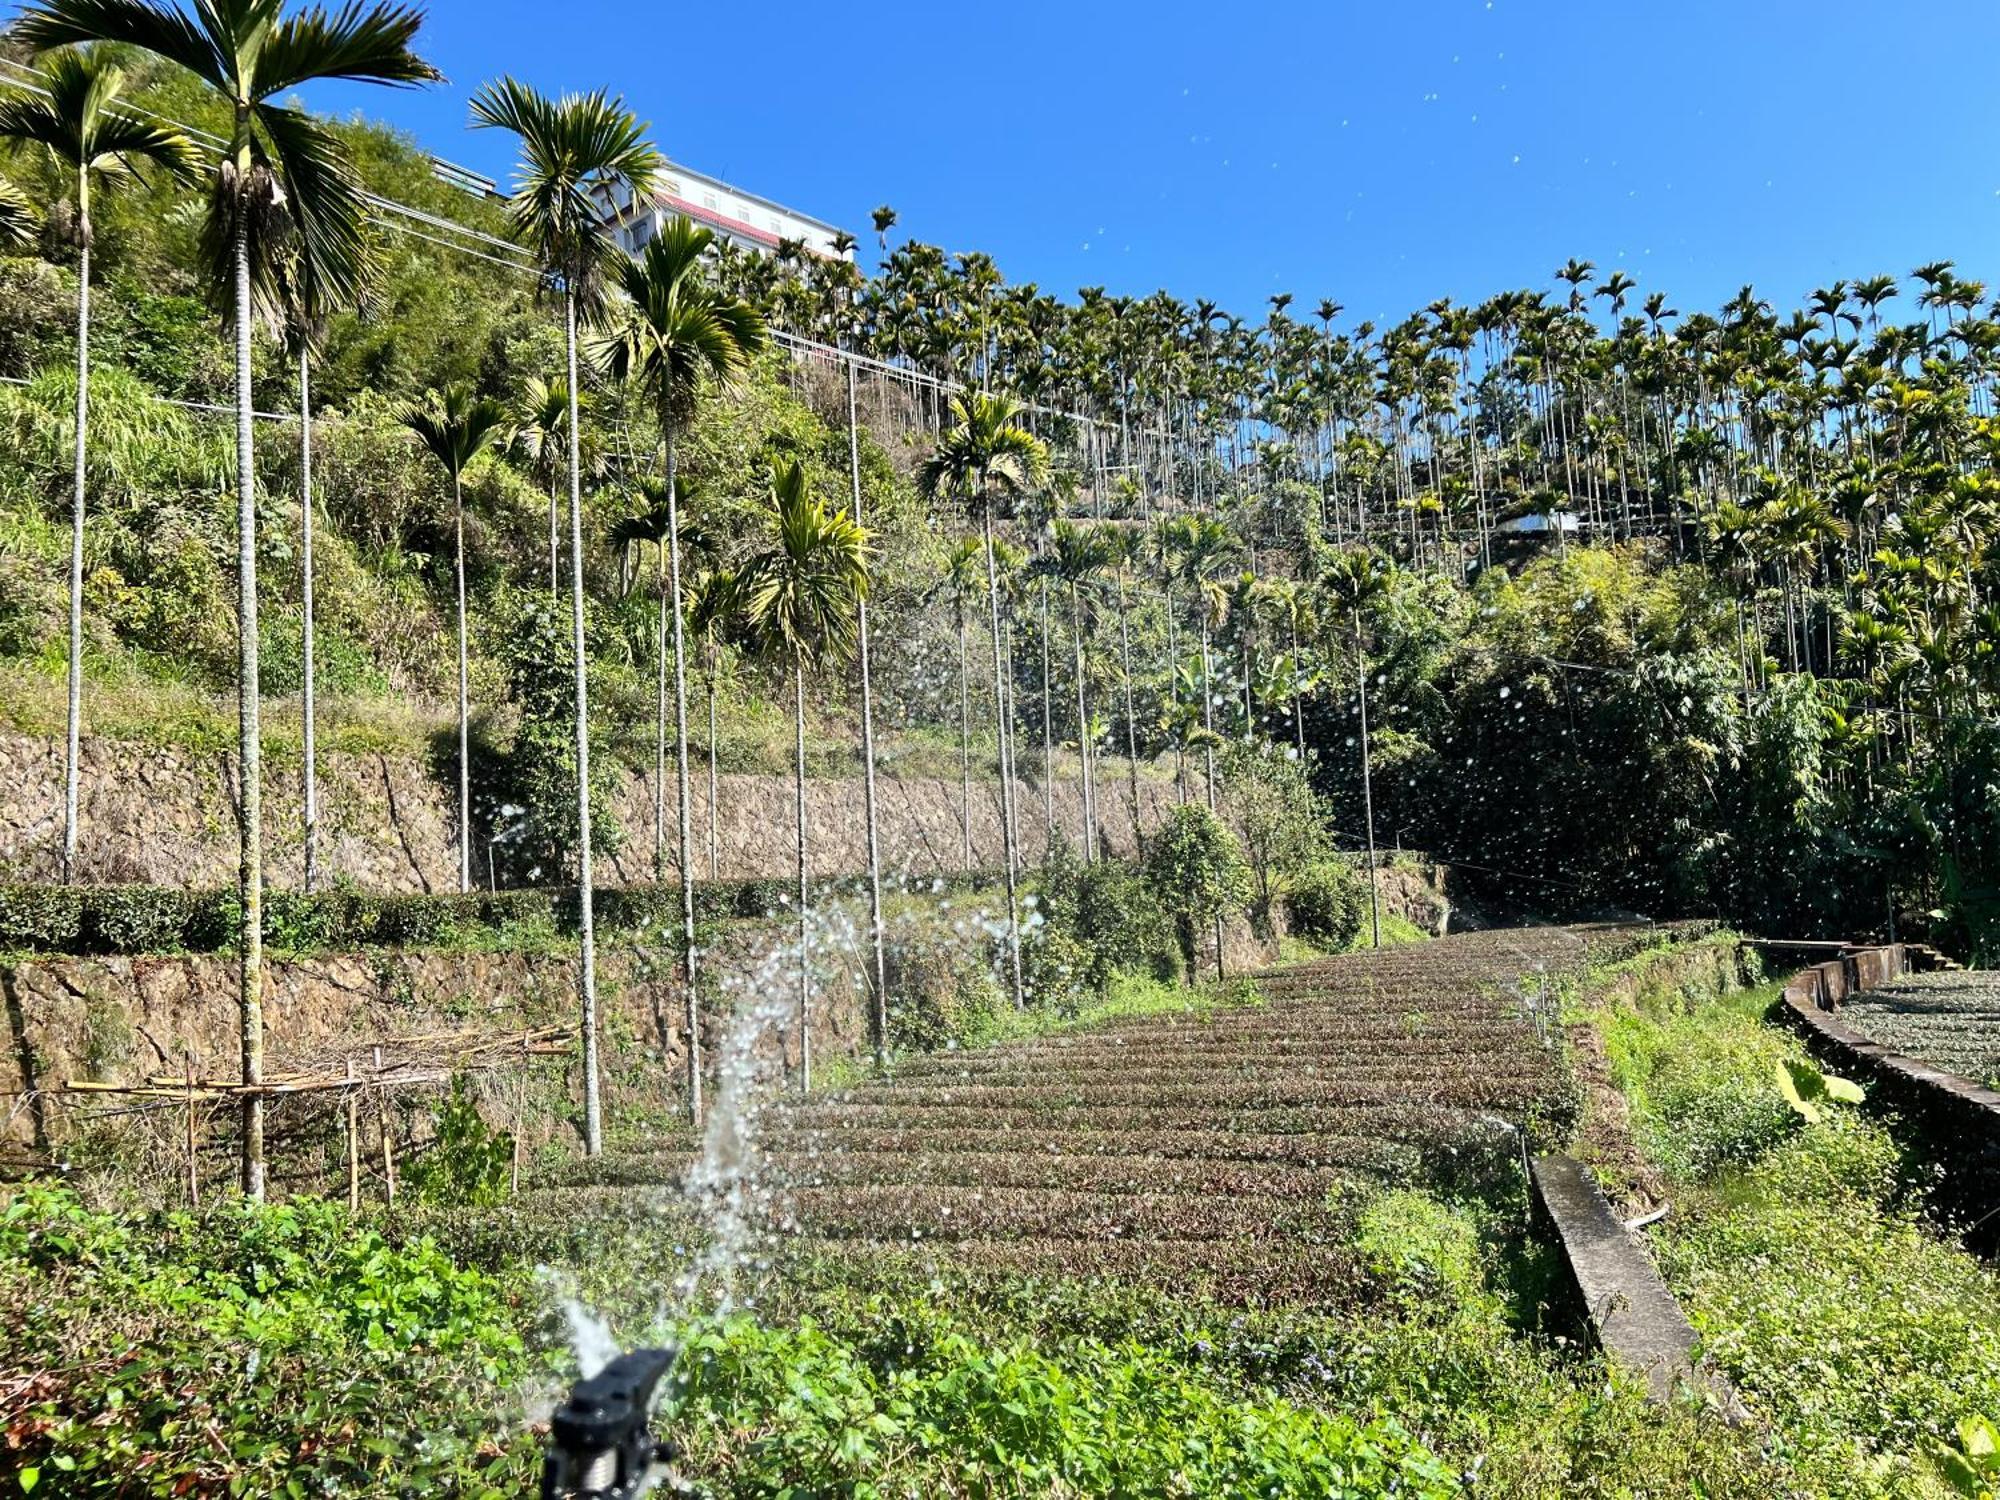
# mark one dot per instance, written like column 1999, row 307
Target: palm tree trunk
column 1082, row 728
column 593, row 1106
column 1368, row 791
column 1131, row 727
column 965, row 746
column 714, row 825
column 308, row 707
column 464, row 736
column 693, row 1009
column 72, row 743
column 1048, row 739
column 1174, row 700
column 1006, row 779
column 805, row 956
column 249, row 744
column 1207, row 709
column 659, row 737
column 879, row 1011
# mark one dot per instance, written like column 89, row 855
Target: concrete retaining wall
column 1959, row 1117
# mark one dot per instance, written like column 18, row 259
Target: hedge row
column 112, row 919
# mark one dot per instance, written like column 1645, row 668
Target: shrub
column 1197, row 868
column 1056, row 969
column 469, row 1163
column 1326, row 903
column 937, row 996
column 1124, row 925
column 41, row 918
column 136, row 919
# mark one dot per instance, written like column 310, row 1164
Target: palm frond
column 165, row 30
column 367, row 44
column 19, row 223
column 570, row 148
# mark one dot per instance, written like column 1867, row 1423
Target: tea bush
column 1325, row 905
column 796, row 1411
column 249, row 1351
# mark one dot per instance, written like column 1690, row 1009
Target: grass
column 1800, row 1250
column 128, row 704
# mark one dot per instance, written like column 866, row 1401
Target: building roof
column 757, row 198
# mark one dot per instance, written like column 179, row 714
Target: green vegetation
column 1799, row 1249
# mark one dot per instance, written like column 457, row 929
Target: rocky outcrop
column 168, row 817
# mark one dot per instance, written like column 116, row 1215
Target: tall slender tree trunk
column 714, row 810
column 73, row 729
column 555, row 544
column 1207, row 707
column 1131, row 726
column 464, row 711
column 1368, row 791
column 805, row 954
column 692, row 1015
column 593, row 1106
column 879, row 1010
column 249, row 744
column 1048, row 739
column 308, row 707
column 965, row 747
column 1006, row 779
column 1083, row 729
column 1174, row 700
column 660, row 724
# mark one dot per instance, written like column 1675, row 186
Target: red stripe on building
column 724, row 221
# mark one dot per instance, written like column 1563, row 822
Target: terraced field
column 1949, row 1019
column 1219, row 1153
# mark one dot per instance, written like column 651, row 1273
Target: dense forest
column 1659, row 612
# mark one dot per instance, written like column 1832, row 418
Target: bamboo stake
column 194, row 1178
column 388, row 1141
column 353, row 1144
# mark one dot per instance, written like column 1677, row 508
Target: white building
column 742, row 218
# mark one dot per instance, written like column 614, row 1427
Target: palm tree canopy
column 1078, row 554
column 701, row 541
column 712, row 597
column 801, row 589
column 76, row 121
column 987, row 455
column 19, row 223
column 677, row 327
column 285, row 179
column 454, row 425
column 572, row 149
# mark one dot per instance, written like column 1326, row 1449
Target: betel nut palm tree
column 676, row 331
column 74, row 119
column 986, row 460
column 455, row 426
column 284, row 197
column 573, row 150
column 801, row 592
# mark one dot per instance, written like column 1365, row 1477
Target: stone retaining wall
column 162, row 816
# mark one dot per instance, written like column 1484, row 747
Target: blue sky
column 1382, row 155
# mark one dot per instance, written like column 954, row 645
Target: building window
column 708, row 200
column 642, row 234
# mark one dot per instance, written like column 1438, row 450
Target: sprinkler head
column 599, row 1445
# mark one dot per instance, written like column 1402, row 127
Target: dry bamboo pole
column 388, row 1138
column 194, row 1176
column 353, row 1143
